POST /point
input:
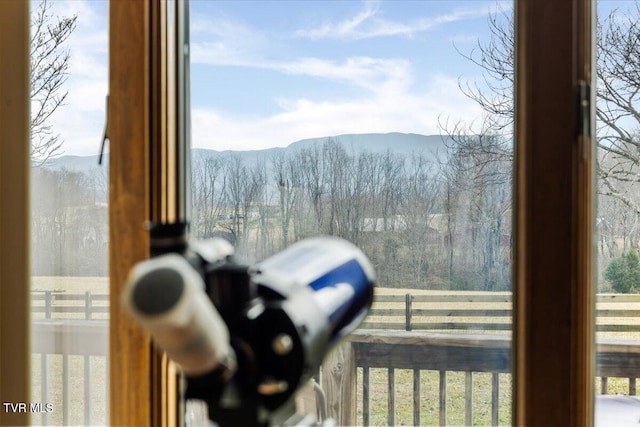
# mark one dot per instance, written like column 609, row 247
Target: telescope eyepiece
column 148, row 300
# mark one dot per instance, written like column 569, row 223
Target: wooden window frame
column 142, row 169
column 130, row 351
column 553, row 292
column 15, row 166
column 554, row 227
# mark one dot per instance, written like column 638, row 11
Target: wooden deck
column 428, row 351
column 463, row 335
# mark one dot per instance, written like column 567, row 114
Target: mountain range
column 400, row 143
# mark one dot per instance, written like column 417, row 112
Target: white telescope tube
column 166, row 295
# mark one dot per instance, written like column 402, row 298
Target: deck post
column 47, row 304
column 87, row 305
column 408, row 298
column 339, row 384
column 443, row 398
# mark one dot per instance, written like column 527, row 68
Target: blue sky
column 268, row 73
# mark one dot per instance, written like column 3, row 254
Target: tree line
column 427, row 221
column 69, row 223
column 383, row 203
column 409, row 213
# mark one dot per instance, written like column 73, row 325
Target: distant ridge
column 405, row 143
column 396, row 142
column 86, row 164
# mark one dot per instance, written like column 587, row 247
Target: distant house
column 400, row 224
column 395, row 223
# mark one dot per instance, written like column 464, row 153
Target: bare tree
column 618, row 94
column 49, row 71
column 240, row 189
column 313, row 167
column 617, row 106
column 391, row 168
column 287, row 179
column 477, row 171
column 344, row 190
column 497, row 60
column 486, row 152
column 207, row 195
column 266, row 217
column 417, row 203
column 335, row 158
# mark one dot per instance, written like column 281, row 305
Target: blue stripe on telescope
column 344, row 293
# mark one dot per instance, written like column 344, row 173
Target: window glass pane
column 69, row 221
column 618, row 107
column 388, row 124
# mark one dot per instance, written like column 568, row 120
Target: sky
column 267, row 73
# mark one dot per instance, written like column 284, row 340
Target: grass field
column 429, row 385
column 71, row 285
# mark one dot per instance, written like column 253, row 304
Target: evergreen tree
column 624, row 273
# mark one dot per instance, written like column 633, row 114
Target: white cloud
column 402, row 111
column 228, row 42
column 391, row 98
column 392, row 101
column 343, row 28
column 366, row 72
column 362, row 71
column 369, row 23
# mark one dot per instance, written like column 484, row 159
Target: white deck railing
column 70, row 371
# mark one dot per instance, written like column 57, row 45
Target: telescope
column 247, row 337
